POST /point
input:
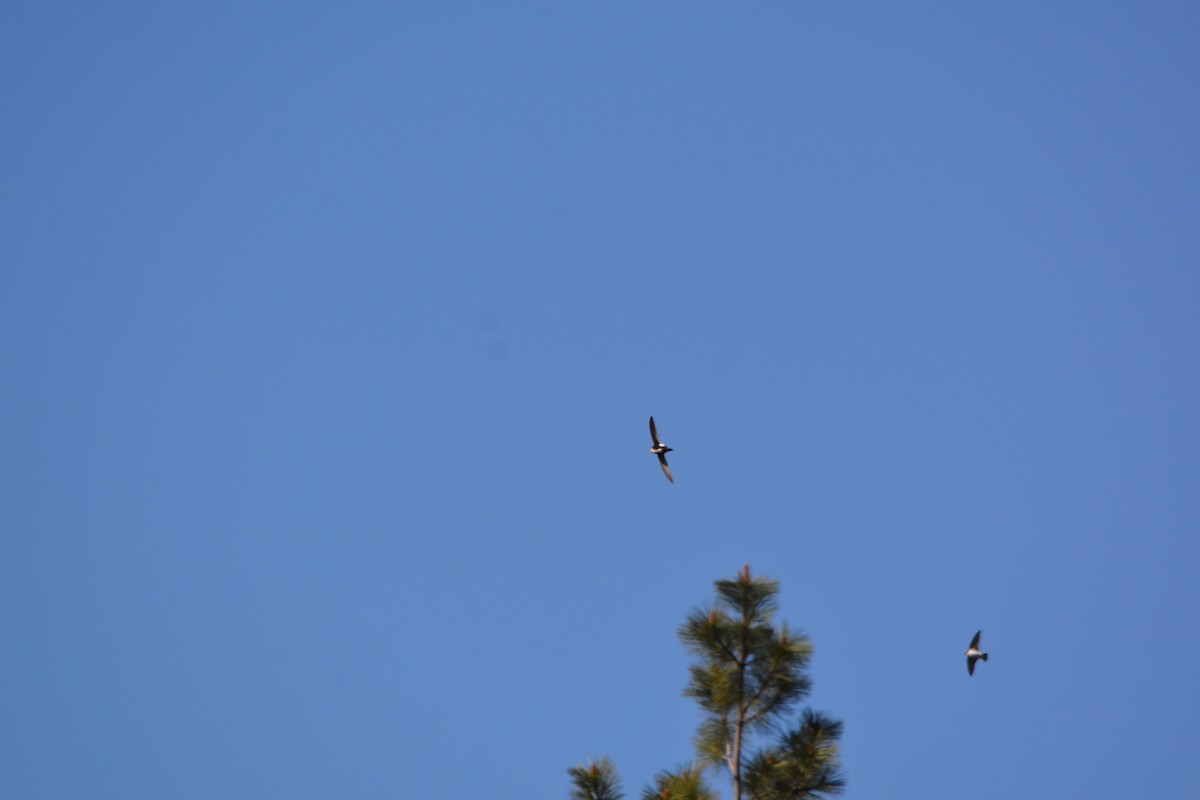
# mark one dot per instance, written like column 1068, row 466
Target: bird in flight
column 660, row 450
column 974, row 654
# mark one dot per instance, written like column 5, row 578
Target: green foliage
column 802, row 766
column 748, row 675
column 685, row 784
column 748, row 672
column 596, row 781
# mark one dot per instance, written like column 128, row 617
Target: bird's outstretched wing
column 970, row 666
column 654, row 433
column 975, row 641
column 662, row 460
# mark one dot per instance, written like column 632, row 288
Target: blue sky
column 329, row 333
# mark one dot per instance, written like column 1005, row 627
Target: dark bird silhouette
column 974, row 654
column 660, row 450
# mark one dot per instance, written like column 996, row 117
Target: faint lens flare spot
column 490, row 321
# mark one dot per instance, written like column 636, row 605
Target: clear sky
column 329, row 334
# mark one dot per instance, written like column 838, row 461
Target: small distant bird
column 660, row 450
column 974, row 654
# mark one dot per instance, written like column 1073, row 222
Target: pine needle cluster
column 684, row 784
column 596, row 781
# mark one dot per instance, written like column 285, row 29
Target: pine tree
column 747, row 677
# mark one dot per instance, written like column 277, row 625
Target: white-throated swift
column 974, row 654
column 660, row 450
